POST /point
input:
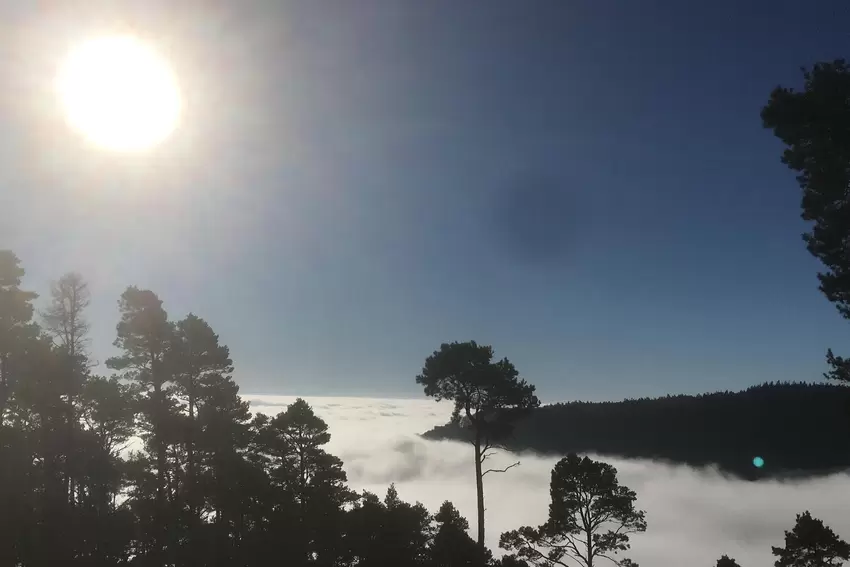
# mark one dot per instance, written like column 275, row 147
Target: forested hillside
column 211, row 483
column 795, row 427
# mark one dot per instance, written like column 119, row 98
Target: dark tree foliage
column 814, row 125
column 726, row 561
column 163, row 464
column 811, row 544
column 591, row 516
column 510, row 560
column 489, row 397
column 145, row 336
column 16, row 327
column 784, row 423
column 388, row 532
column 196, row 361
column 452, row 546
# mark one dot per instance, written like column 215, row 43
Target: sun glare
column 119, row 93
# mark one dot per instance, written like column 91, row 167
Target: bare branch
column 539, row 555
column 516, row 464
column 487, row 455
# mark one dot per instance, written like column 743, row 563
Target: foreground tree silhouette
column 313, row 480
column 489, row 395
column 145, row 336
column 452, row 546
column 16, row 313
column 811, row 544
column 814, row 125
column 18, row 506
column 386, row 533
column 726, row 561
column 196, row 358
column 64, row 320
column 211, row 486
column 590, row 516
column 510, row 560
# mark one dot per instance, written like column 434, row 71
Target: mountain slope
column 797, row 428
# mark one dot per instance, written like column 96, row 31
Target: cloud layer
column 694, row 516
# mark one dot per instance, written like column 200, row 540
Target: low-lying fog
column 694, row 516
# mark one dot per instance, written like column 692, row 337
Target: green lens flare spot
column 758, row 462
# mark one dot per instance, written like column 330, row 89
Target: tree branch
column 543, row 558
column 516, row 464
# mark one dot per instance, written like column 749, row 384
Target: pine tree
column 811, row 544
column 590, row 516
column 16, row 326
column 452, row 546
column 145, row 336
column 489, row 396
column 195, row 357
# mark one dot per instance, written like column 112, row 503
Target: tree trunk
column 479, row 488
column 70, row 452
column 4, row 385
column 190, row 454
column 161, row 461
column 191, row 482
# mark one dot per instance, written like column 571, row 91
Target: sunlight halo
column 119, row 94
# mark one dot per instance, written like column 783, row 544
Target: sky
column 586, row 186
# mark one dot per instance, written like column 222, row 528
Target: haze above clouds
column 694, row 516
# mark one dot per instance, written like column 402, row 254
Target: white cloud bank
column 694, row 516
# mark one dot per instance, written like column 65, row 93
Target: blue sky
column 584, row 185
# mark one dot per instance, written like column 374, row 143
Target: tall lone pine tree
column 489, row 396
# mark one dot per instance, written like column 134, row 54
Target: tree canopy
column 783, row 423
column 814, row 125
column 726, row 561
column 163, row 463
column 811, row 544
column 488, row 398
column 591, row 516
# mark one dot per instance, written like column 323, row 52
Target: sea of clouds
column 694, row 516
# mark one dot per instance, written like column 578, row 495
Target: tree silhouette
column 65, row 321
column 814, row 125
column 195, row 358
column 811, row 544
column 452, row 546
column 145, row 336
column 488, row 395
column 510, row 560
column 16, row 312
column 726, row 561
column 753, row 422
column 388, row 532
column 590, row 516
column 209, row 486
column 313, row 479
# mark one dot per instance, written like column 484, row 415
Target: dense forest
column 796, row 428
column 210, row 484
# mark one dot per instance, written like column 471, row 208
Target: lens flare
column 119, row 93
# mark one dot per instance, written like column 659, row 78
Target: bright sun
column 119, row 94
